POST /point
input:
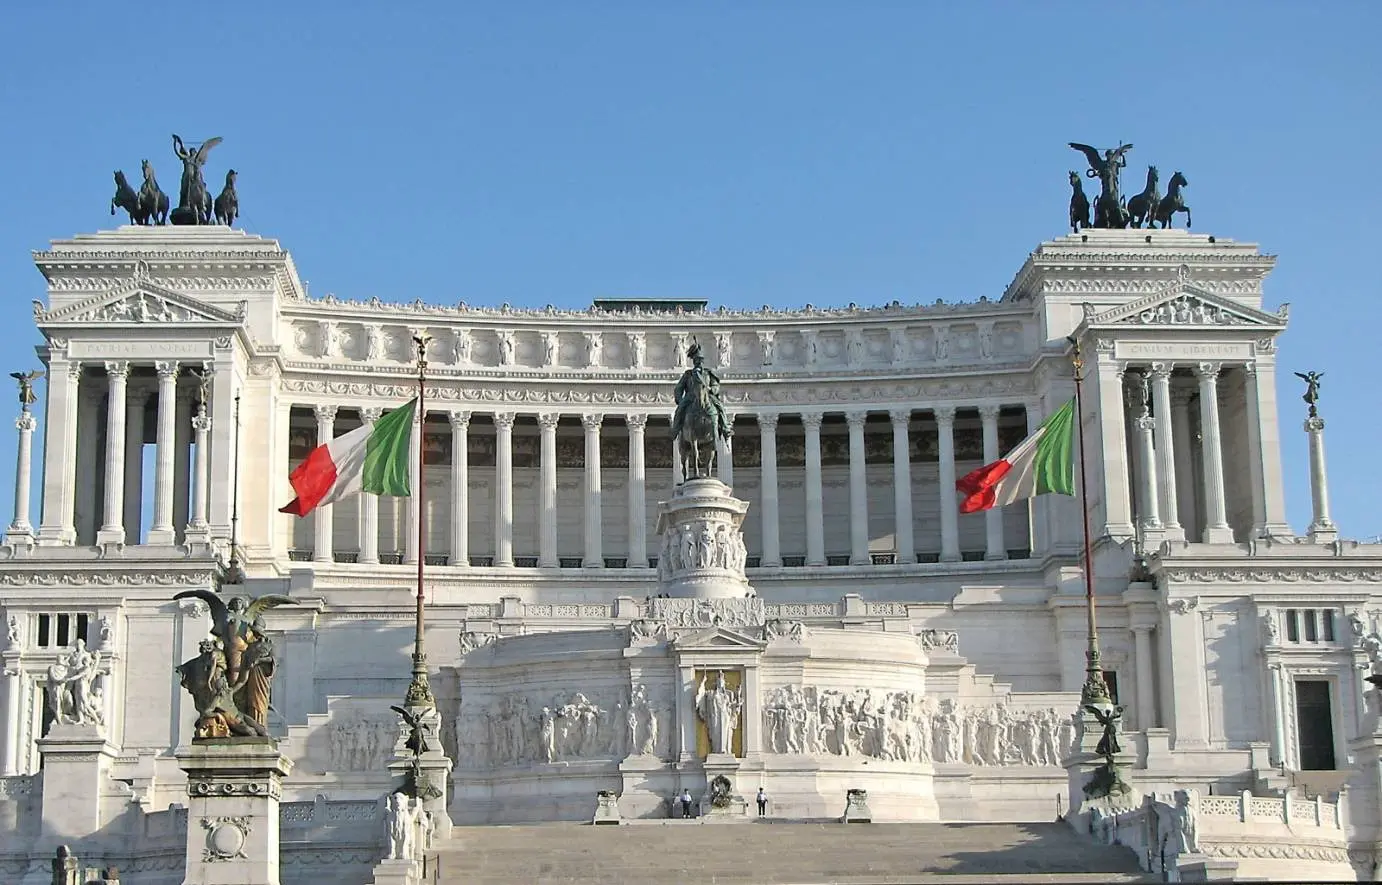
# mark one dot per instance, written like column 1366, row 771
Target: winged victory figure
column 26, row 387
column 194, row 203
column 1109, row 210
column 1312, row 389
column 245, row 649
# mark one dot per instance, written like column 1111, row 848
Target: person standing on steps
column 762, row 802
column 685, row 803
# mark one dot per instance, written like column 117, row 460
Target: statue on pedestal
column 74, row 695
column 194, row 203
column 26, row 380
column 1109, row 211
column 230, row 679
column 700, row 418
column 1312, row 390
column 1106, row 780
column 719, row 709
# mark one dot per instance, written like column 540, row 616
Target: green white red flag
column 1041, row 464
column 372, row 458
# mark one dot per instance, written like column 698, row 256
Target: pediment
column 717, row 639
column 138, row 302
column 1187, row 305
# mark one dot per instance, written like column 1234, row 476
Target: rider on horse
column 699, row 376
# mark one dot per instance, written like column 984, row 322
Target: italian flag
column 1040, row 465
column 371, row 458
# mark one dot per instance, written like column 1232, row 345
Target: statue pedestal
column 435, row 768
column 76, row 765
column 234, row 785
column 724, row 765
column 857, row 808
column 606, row 808
column 702, row 554
column 398, row 872
column 1083, row 765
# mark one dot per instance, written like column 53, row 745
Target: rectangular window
column 1327, row 624
column 45, row 626
column 1292, row 626
column 1111, row 680
column 1315, row 725
column 82, row 621
column 64, row 625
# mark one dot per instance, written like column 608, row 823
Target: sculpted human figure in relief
column 719, row 709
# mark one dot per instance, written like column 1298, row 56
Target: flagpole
column 1095, row 689
column 419, row 691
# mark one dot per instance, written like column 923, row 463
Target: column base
column 587, row 564
column 162, row 537
column 770, row 563
column 951, row 557
column 857, row 560
column 51, row 537
column 111, row 537
column 1217, row 534
column 1173, row 531
column 1323, row 531
column 1273, row 530
column 995, row 556
column 20, row 539
column 197, row 538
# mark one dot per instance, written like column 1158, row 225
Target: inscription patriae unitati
column 139, row 348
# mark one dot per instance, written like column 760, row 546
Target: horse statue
column 125, row 198
column 1142, row 207
column 700, row 417
column 1079, row 204
column 227, row 204
column 1173, row 202
column 153, row 202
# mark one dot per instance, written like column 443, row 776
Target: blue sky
column 749, row 153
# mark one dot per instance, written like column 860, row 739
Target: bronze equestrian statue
column 227, row 204
column 1173, row 202
column 1142, row 207
column 700, row 417
column 1079, row 204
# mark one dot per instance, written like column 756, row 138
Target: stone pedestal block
column 730, row 805
column 857, row 807
column 434, row 768
column 76, row 762
column 234, row 785
column 1199, row 868
column 702, row 554
column 606, row 808
column 398, row 872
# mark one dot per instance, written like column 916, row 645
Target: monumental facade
column 816, row 617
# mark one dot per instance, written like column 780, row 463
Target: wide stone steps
column 776, row 853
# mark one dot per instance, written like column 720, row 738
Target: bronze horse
column 696, row 443
column 1173, row 202
column 153, row 202
column 126, row 198
column 1079, row 204
column 1142, row 207
column 227, row 203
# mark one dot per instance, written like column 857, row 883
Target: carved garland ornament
column 1272, row 576
column 104, row 579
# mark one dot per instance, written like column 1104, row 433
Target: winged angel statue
column 229, row 680
column 194, row 202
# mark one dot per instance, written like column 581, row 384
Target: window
column 1310, row 625
column 1111, row 680
column 62, row 630
column 1314, row 725
column 1292, row 625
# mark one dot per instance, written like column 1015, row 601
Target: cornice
column 39, row 576
column 1271, row 573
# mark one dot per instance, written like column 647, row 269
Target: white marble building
column 886, row 641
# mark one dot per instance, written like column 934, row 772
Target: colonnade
column 767, row 499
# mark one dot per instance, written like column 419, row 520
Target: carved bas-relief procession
column 674, row 559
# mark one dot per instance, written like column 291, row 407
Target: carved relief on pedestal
column 521, row 729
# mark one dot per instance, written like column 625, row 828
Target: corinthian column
column 594, row 555
column 326, row 431
column 21, row 531
column 197, row 524
column 903, row 540
column 60, row 453
column 1322, row 529
column 460, row 489
column 1164, row 437
column 503, row 489
column 949, row 505
column 772, row 543
column 1216, row 528
column 994, row 545
column 369, row 505
column 858, row 491
column 547, row 481
column 113, row 527
column 638, row 506
column 136, row 399
column 815, row 501
column 161, row 532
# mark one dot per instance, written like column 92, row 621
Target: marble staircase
column 776, row 853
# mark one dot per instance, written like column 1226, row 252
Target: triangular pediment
column 1187, row 305
column 137, row 302
column 717, row 639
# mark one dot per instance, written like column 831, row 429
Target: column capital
column 1160, row 371
column 460, row 419
column 1139, row 627
column 812, row 420
column 371, row 414
column 26, row 423
column 1147, row 423
column 1249, row 368
column 504, row 420
column 901, row 416
column 767, row 421
column 856, row 417
column 324, row 412
column 548, row 420
column 636, row 421
column 944, row 415
column 201, row 423
column 166, row 369
column 591, row 421
column 1207, row 372
column 118, row 369
column 989, row 414
column 74, row 370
